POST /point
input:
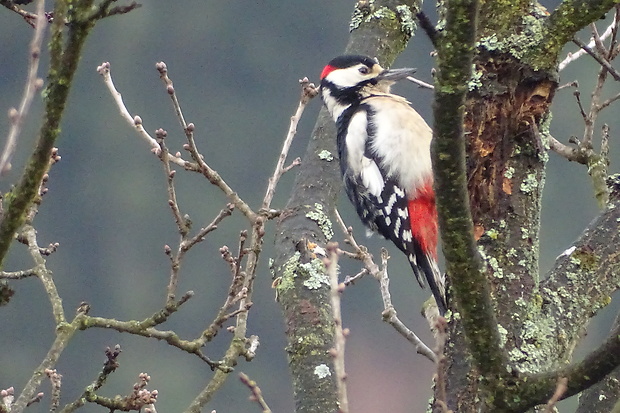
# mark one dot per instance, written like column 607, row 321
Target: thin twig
column 187, row 244
column 441, row 337
column 164, row 155
column 571, row 57
column 308, row 91
column 340, row 334
column 380, row 274
column 601, row 60
column 192, row 148
column 428, row 27
column 30, row 18
column 560, row 389
column 18, row 275
column 257, row 394
column 420, row 83
column 33, row 84
column 109, row 367
column 135, row 122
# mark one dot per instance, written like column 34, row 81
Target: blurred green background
column 235, row 66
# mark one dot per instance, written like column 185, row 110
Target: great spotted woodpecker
column 384, row 150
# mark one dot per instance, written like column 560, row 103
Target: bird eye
column 364, row 70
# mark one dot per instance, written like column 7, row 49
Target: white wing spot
column 413, row 259
column 391, row 202
column 388, row 221
column 399, row 191
column 407, row 235
column 397, row 225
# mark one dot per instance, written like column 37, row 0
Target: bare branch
column 33, row 84
column 340, row 334
column 420, row 83
column 191, row 147
column 380, row 274
column 257, row 394
column 571, row 57
column 557, row 395
column 308, row 91
column 600, row 59
column 136, row 122
column 30, row 18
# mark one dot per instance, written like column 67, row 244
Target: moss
column 587, row 260
column 320, row 217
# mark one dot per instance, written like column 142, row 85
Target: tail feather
column 423, row 221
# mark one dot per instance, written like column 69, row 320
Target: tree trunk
column 380, row 29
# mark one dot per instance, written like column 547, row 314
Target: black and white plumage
column 384, row 150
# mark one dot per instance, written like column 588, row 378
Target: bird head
column 353, row 71
column 349, row 78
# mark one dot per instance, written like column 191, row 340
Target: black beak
column 394, row 75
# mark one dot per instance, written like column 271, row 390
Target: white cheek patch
column 347, row 77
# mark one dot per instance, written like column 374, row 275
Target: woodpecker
column 385, row 161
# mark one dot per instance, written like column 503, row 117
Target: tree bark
column 380, row 29
column 506, row 121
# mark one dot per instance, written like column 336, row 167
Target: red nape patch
column 327, row 70
column 423, row 218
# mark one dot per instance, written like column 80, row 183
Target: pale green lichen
column 521, row 302
column 320, row 217
column 519, row 44
column 503, row 334
column 289, row 272
column 509, row 172
column 532, row 353
column 498, row 271
column 407, row 21
column 316, row 273
column 529, row 184
column 492, row 233
column 326, row 155
column 525, row 233
column 476, row 79
column 368, row 12
column 544, row 133
column 322, row 371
